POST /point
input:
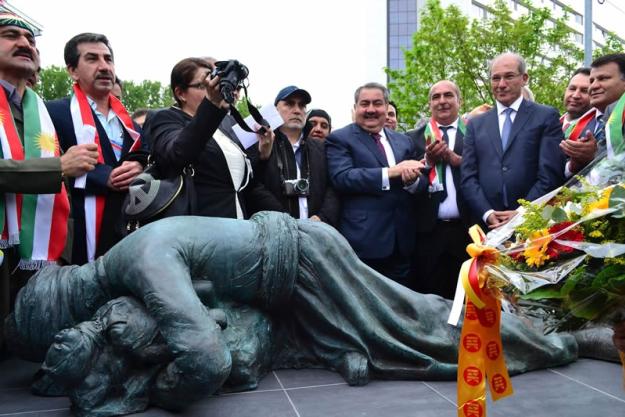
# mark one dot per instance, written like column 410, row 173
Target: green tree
column 54, row 83
column 146, row 94
column 449, row 45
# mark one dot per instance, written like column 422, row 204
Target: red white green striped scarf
column 572, row 130
column 86, row 132
column 614, row 129
column 433, row 133
column 35, row 223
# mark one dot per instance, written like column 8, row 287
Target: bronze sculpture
column 292, row 290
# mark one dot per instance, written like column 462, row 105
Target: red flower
column 554, row 250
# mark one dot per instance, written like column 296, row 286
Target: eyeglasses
column 199, row 86
column 496, row 79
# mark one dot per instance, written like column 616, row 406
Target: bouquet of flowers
column 561, row 261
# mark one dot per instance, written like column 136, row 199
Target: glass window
column 578, row 18
column 578, row 37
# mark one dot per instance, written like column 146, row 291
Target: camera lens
column 301, row 186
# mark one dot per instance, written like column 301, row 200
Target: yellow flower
column 596, row 234
column 535, row 253
column 602, row 203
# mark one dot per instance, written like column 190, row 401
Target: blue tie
column 298, row 156
column 600, row 130
column 507, row 127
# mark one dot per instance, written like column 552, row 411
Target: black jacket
column 322, row 199
column 179, row 139
column 427, row 204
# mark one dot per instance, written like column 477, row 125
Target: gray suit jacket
column 31, row 176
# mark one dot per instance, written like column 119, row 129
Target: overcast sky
column 328, row 47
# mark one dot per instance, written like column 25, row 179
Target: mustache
column 24, row 52
column 104, row 75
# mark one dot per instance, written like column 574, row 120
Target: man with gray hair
column 375, row 172
column 441, row 212
column 512, row 151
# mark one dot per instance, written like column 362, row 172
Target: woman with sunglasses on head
column 189, row 133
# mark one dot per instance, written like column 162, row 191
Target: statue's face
column 70, row 356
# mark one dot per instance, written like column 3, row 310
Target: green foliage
column 448, row 45
column 54, row 83
column 146, row 94
column 534, row 219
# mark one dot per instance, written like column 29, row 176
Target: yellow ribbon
column 480, row 352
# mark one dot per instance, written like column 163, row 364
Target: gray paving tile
column 538, row 392
column 378, row 398
column 605, row 376
column 585, row 388
column 247, row 404
column 295, row 378
column 551, row 390
column 16, row 373
column 19, row 400
column 54, row 413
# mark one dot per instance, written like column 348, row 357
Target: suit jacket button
column 504, row 169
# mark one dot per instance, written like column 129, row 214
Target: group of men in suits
column 407, row 200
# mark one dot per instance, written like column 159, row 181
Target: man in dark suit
column 295, row 171
column 370, row 167
column 512, row 151
column 441, row 213
column 93, row 114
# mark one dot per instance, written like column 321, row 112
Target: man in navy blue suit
column 93, row 115
column 375, row 171
column 512, row 151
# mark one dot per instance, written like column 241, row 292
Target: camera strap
column 258, row 118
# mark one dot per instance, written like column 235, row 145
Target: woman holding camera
column 187, row 135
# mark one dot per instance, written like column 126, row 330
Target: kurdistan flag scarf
column 614, row 129
column 86, row 132
column 35, row 223
column 573, row 130
column 433, row 133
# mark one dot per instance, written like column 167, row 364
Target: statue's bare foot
column 354, row 368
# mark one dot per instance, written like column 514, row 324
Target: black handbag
column 152, row 197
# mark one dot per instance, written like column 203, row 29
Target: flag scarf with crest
column 433, row 133
column 86, row 132
column 574, row 129
column 614, row 128
column 35, row 223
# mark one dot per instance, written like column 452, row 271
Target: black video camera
column 232, row 74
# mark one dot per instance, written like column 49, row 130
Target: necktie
column 507, row 127
column 377, row 138
column 600, row 130
column 298, row 156
column 443, row 194
column 444, row 129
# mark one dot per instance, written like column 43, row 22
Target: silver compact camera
column 296, row 188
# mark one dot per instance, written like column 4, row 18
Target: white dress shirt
column 303, row 201
column 448, row 208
